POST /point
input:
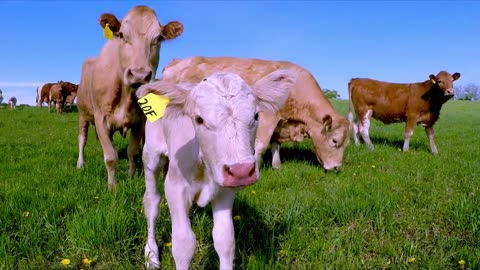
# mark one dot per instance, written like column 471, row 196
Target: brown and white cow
column 208, row 137
column 412, row 103
column 57, row 96
column 307, row 112
column 106, row 93
column 43, row 92
column 12, row 102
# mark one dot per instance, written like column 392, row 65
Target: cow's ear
column 112, row 21
column 177, row 93
column 433, row 78
column 172, row 30
column 273, row 90
column 456, row 76
column 327, row 123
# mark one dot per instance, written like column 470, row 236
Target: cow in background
column 106, row 93
column 43, row 93
column 412, row 103
column 1, row 96
column 57, row 96
column 208, row 137
column 12, row 102
column 306, row 114
column 70, row 90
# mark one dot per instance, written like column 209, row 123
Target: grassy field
column 385, row 210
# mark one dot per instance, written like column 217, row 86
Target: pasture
column 385, row 210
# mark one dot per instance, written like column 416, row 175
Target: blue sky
column 397, row 41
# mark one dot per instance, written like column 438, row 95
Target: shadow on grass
column 291, row 153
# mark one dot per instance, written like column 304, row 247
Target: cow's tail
column 350, row 104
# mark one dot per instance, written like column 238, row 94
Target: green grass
column 384, row 208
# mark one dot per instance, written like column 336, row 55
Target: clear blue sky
column 398, row 41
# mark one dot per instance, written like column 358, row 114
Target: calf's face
column 139, row 36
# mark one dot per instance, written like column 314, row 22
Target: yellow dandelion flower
column 65, row 262
column 412, row 260
column 253, row 192
column 461, row 262
column 169, row 244
column 26, row 214
column 96, row 197
column 373, row 166
column 237, row 218
column 283, row 252
column 87, row 261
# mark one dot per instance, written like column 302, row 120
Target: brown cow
column 43, row 92
column 57, row 96
column 307, row 112
column 70, row 90
column 412, row 103
column 105, row 96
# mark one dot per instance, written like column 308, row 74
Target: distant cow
column 307, row 112
column 105, row 95
column 208, row 137
column 1, row 96
column 12, row 102
column 70, row 90
column 43, row 93
column 57, row 96
column 412, row 103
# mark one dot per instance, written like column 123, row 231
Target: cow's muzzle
column 135, row 77
column 449, row 92
column 239, row 175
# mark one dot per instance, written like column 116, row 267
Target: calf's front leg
column 109, row 154
column 223, row 231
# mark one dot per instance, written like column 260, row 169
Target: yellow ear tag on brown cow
column 433, row 80
column 107, row 32
column 153, row 106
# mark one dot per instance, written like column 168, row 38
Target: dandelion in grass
column 462, row 264
column 373, row 166
column 253, row 191
column 65, row 262
column 412, row 260
column 96, row 197
column 26, row 214
column 237, row 218
column 169, row 244
column 86, row 261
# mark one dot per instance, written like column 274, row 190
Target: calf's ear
column 273, row 90
column 177, row 93
column 433, row 78
column 456, row 76
column 172, row 30
column 112, row 21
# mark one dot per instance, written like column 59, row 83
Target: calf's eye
column 256, row 117
column 198, row 120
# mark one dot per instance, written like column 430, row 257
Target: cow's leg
column 109, row 154
column 133, row 150
column 179, row 202
column 276, row 162
column 409, row 126
column 83, row 125
column 355, row 131
column 49, row 106
column 430, row 133
column 267, row 123
column 223, row 231
column 364, row 127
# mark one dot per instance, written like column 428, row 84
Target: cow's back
column 306, row 92
column 387, row 101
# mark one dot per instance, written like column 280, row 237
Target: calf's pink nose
column 239, row 174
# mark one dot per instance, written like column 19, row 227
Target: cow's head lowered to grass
column 224, row 112
column 138, row 37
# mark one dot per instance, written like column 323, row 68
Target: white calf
column 12, row 102
column 208, row 137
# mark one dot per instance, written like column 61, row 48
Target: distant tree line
column 331, row 94
column 469, row 92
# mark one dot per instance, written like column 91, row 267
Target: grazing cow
column 307, row 112
column 57, row 96
column 12, row 102
column 43, row 93
column 207, row 135
column 106, row 93
column 1, row 96
column 70, row 90
column 412, row 103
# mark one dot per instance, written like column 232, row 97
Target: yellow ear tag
column 107, row 33
column 433, row 80
column 153, row 106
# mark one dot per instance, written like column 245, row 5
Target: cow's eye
column 198, row 120
column 120, row 35
column 256, row 117
column 439, row 82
